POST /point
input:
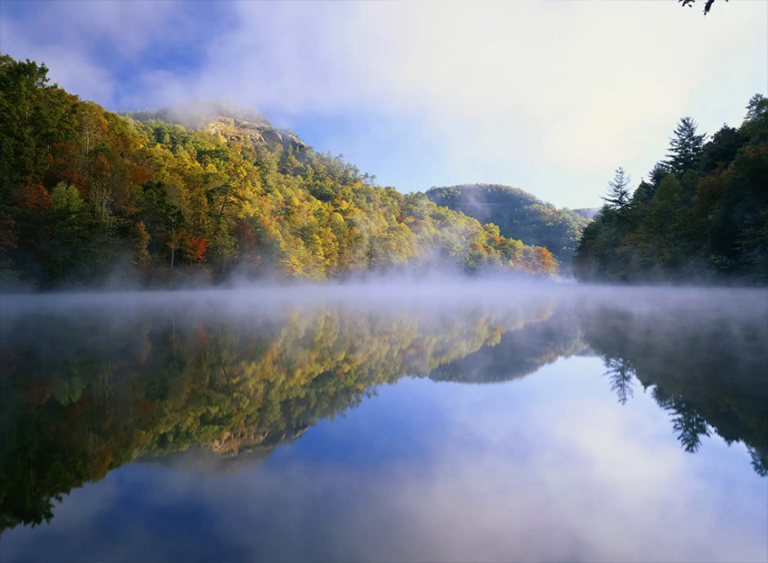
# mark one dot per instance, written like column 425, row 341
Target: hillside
column 518, row 214
column 88, row 196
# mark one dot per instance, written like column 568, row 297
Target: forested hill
column 518, row 214
column 587, row 212
column 701, row 215
column 87, row 195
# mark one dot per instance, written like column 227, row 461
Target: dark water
column 389, row 423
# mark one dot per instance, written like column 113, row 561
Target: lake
column 386, row 422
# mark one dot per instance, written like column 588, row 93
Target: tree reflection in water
column 85, row 391
column 706, row 366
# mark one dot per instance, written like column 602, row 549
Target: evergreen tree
column 757, row 107
column 657, row 174
column 755, row 123
column 685, row 147
column 618, row 190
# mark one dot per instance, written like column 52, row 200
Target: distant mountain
column 518, row 214
column 519, row 352
column 587, row 212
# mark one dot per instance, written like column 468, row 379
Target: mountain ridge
column 518, row 214
column 220, row 117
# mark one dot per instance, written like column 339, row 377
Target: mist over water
column 444, row 420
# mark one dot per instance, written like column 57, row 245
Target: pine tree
column 757, row 107
column 685, row 147
column 657, row 174
column 618, row 190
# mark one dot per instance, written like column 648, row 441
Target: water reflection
column 706, row 366
column 86, row 390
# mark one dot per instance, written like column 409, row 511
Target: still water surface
column 450, row 423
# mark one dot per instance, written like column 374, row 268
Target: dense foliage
column 85, row 193
column 701, row 215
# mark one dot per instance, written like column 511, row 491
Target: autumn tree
column 227, row 195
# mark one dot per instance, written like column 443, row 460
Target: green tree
column 618, row 191
column 702, row 215
column 685, row 147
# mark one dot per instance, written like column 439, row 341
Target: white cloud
column 69, row 68
column 86, row 44
column 579, row 88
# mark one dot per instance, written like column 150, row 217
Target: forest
column 88, row 196
column 701, row 216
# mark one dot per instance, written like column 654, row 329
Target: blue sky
column 547, row 96
column 436, row 472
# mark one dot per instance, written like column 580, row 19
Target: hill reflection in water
column 91, row 383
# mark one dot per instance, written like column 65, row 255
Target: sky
column 428, row 471
column 550, row 97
